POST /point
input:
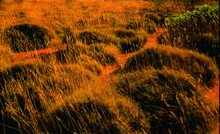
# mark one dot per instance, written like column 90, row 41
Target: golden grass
column 75, row 80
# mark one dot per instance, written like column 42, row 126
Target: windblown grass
column 199, row 66
column 170, row 100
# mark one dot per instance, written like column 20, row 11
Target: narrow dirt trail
column 23, row 56
column 121, row 58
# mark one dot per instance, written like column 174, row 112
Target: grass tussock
column 73, row 54
column 90, row 37
column 199, row 66
column 130, row 40
column 25, row 37
column 170, row 100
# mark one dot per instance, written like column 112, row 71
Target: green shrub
column 199, row 66
column 25, row 37
column 197, row 30
column 184, row 27
column 170, row 101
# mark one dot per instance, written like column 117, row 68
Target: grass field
column 109, row 67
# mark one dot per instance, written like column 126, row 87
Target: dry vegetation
column 101, row 67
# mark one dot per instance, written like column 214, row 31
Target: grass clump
column 132, row 44
column 170, row 100
column 25, row 37
column 92, row 116
column 199, row 66
column 74, row 54
column 129, row 40
column 24, row 72
column 123, row 33
column 91, row 37
column 28, row 90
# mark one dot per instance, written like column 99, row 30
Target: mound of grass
column 24, row 72
column 131, row 44
column 91, row 37
column 129, row 40
column 74, row 54
column 25, row 37
column 28, row 90
column 199, row 66
column 88, row 117
column 170, row 100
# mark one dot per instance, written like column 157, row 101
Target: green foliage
column 190, row 30
column 184, row 27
